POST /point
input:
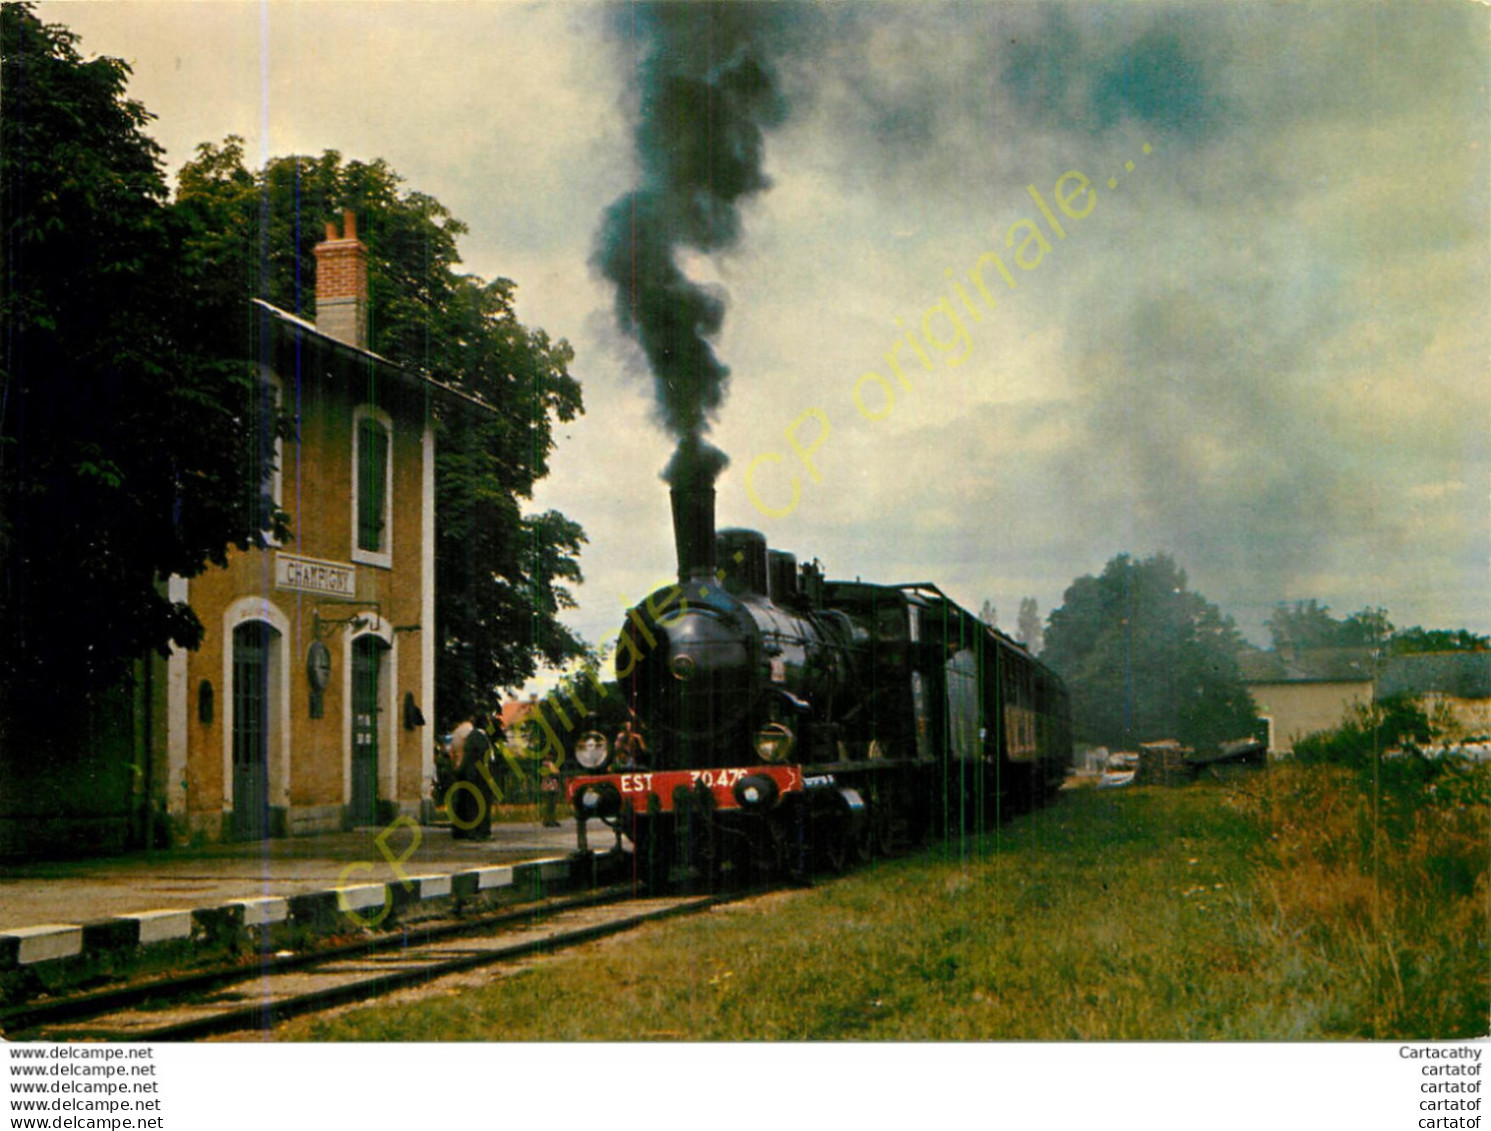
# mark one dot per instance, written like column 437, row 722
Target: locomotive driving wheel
column 887, row 824
column 840, row 841
column 787, row 841
column 831, row 846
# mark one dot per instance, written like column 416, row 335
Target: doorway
column 251, row 705
column 367, row 665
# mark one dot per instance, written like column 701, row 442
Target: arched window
column 372, row 486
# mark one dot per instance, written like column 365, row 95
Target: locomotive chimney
column 693, row 529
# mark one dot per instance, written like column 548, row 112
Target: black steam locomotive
column 790, row 723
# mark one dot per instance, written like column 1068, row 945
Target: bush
column 1369, row 730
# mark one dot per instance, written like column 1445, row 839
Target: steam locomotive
column 790, row 723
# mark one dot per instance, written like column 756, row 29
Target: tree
column 1369, row 628
column 1305, row 624
column 1409, row 641
column 1146, row 659
column 126, row 453
column 501, row 576
column 1029, row 630
column 988, row 614
column 1308, row 624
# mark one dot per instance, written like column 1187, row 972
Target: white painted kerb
column 47, row 941
column 162, row 926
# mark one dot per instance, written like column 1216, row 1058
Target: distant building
column 1458, row 683
column 515, row 713
column 1299, row 693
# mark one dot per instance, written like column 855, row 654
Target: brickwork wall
column 341, row 269
column 317, row 493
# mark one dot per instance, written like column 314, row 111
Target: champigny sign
column 311, row 575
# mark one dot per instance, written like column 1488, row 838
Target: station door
column 367, row 664
column 251, row 702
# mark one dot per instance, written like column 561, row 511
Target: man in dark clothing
column 469, row 799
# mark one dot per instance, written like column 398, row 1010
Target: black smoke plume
column 707, row 96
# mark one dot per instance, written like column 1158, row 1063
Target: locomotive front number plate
column 635, row 787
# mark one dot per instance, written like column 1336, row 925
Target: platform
column 71, row 922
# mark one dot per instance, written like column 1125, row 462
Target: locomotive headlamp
column 756, row 791
column 591, row 750
column 599, row 799
column 775, row 742
column 683, row 667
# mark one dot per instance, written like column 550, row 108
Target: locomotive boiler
column 790, row 722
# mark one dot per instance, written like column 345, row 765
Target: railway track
column 224, row 1000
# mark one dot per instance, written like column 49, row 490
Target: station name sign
column 311, row 575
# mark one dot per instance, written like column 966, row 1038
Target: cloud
column 1273, row 337
column 1264, row 350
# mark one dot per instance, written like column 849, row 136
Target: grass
column 1259, row 911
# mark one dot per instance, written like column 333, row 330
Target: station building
column 309, row 705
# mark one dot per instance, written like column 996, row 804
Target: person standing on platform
column 548, row 792
column 471, row 808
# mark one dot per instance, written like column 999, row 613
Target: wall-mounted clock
column 317, row 673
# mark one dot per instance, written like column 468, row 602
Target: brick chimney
column 342, row 283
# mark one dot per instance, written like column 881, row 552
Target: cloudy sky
column 1260, row 342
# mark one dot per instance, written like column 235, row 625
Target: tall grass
column 1376, row 861
column 1282, row 909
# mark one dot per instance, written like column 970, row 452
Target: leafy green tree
column 1308, row 624
column 502, row 576
column 1369, row 628
column 1147, row 659
column 1305, row 624
column 1410, row 641
column 1367, row 731
column 126, row 453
